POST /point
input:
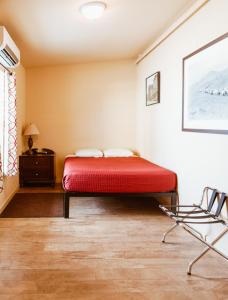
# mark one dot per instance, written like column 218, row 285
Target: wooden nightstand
column 37, row 170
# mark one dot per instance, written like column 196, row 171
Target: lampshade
column 31, row 129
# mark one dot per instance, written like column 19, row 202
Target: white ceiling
column 51, row 32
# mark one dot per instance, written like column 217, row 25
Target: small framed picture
column 153, row 89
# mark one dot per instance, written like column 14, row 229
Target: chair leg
column 189, row 271
column 66, row 206
column 168, row 231
column 209, row 247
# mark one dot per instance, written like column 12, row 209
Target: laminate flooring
column 109, row 249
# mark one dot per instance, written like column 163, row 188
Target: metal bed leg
column 168, row 231
column 66, row 205
column 174, row 201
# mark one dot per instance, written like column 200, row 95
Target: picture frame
column 153, row 89
column 205, row 88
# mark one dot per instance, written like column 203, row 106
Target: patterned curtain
column 2, row 82
column 10, row 136
column 1, row 174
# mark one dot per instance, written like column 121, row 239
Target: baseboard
column 9, row 198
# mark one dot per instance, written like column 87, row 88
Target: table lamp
column 31, row 130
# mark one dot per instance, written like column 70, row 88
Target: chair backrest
column 222, row 200
column 214, row 195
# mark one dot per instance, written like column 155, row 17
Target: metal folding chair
column 197, row 215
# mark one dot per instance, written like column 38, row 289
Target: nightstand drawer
column 32, row 175
column 33, row 162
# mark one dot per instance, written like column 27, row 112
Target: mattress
column 116, row 175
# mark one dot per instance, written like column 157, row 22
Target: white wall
column 11, row 184
column 84, row 105
column 198, row 159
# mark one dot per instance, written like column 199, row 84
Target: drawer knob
column 37, row 174
column 36, row 163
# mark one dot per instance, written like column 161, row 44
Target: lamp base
column 30, row 144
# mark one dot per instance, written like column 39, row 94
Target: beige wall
column 85, row 105
column 11, row 183
column 199, row 159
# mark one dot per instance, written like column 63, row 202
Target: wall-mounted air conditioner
column 9, row 53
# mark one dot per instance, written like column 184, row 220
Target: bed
column 116, row 176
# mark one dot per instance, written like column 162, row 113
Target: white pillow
column 89, row 153
column 118, row 153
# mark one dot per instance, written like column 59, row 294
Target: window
column 2, row 113
column 8, row 123
column 4, row 118
column 2, row 89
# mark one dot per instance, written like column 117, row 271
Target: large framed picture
column 205, row 88
column 153, row 89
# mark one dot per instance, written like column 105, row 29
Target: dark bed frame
column 173, row 195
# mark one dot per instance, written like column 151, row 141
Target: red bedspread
column 116, row 175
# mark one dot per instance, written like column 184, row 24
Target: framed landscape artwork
column 153, row 89
column 205, row 88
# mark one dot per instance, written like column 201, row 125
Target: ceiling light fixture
column 93, row 10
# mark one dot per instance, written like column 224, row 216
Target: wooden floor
column 36, row 202
column 109, row 249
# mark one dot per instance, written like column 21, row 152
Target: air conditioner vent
column 9, row 53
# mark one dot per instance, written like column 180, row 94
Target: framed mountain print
column 205, row 88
